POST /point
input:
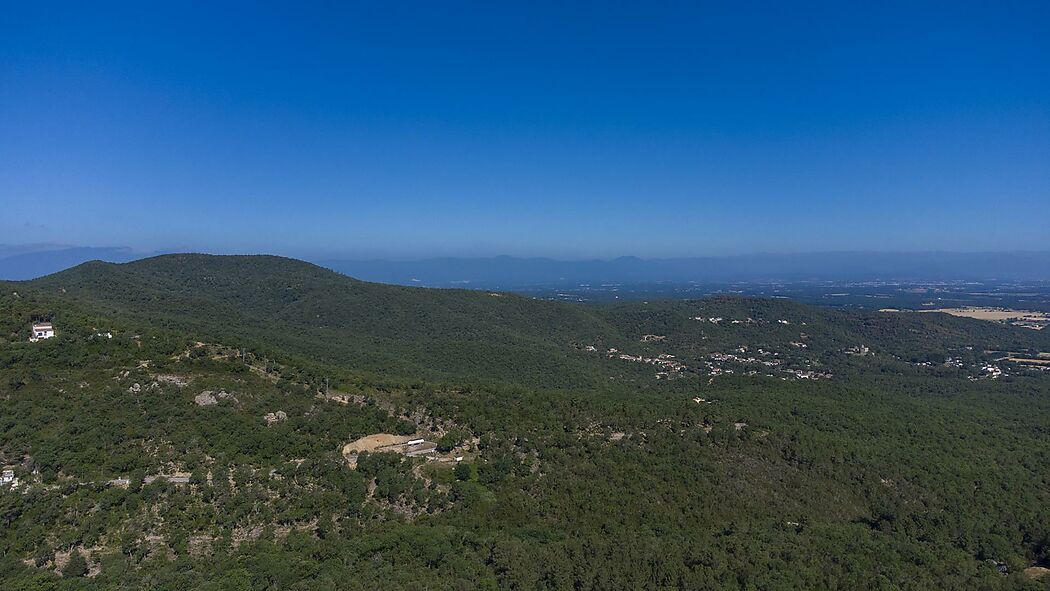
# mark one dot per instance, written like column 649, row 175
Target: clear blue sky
column 478, row 128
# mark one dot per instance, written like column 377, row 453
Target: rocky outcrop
column 205, row 398
column 275, row 417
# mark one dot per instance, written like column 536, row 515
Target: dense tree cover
column 287, row 306
column 896, row 473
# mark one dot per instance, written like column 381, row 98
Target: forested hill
column 303, row 308
column 186, row 428
column 299, row 308
column 294, row 292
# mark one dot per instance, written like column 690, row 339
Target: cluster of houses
column 991, row 371
column 749, row 320
column 666, row 362
column 979, row 370
column 801, row 374
column 669, row 366
column 809, row 374
column 733, row 358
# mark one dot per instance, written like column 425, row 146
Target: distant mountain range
column 509, row 273
column 504, row 272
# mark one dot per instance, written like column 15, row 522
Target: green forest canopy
column 909, row 467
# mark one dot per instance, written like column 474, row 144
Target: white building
column 42, row 330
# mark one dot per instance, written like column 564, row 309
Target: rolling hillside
column 449, row 334
column 302, row 308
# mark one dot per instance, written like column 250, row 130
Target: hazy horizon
column 28, row 262
column 10, row 249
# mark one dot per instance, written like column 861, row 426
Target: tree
column 404, row 427
column 463, row 471
column 449, row 441
column 76, row 566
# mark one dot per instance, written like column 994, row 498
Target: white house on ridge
column 42, row 330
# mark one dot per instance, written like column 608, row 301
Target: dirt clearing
column 407, row 445
column 375, row 442
column 997, row 314
column 1037, row 571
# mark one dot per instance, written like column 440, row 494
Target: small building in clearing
column 42, row 330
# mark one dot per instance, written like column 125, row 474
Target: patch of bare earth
column 996, row 314
column 1037, row 572
column 375, row 442
column 407, row 445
